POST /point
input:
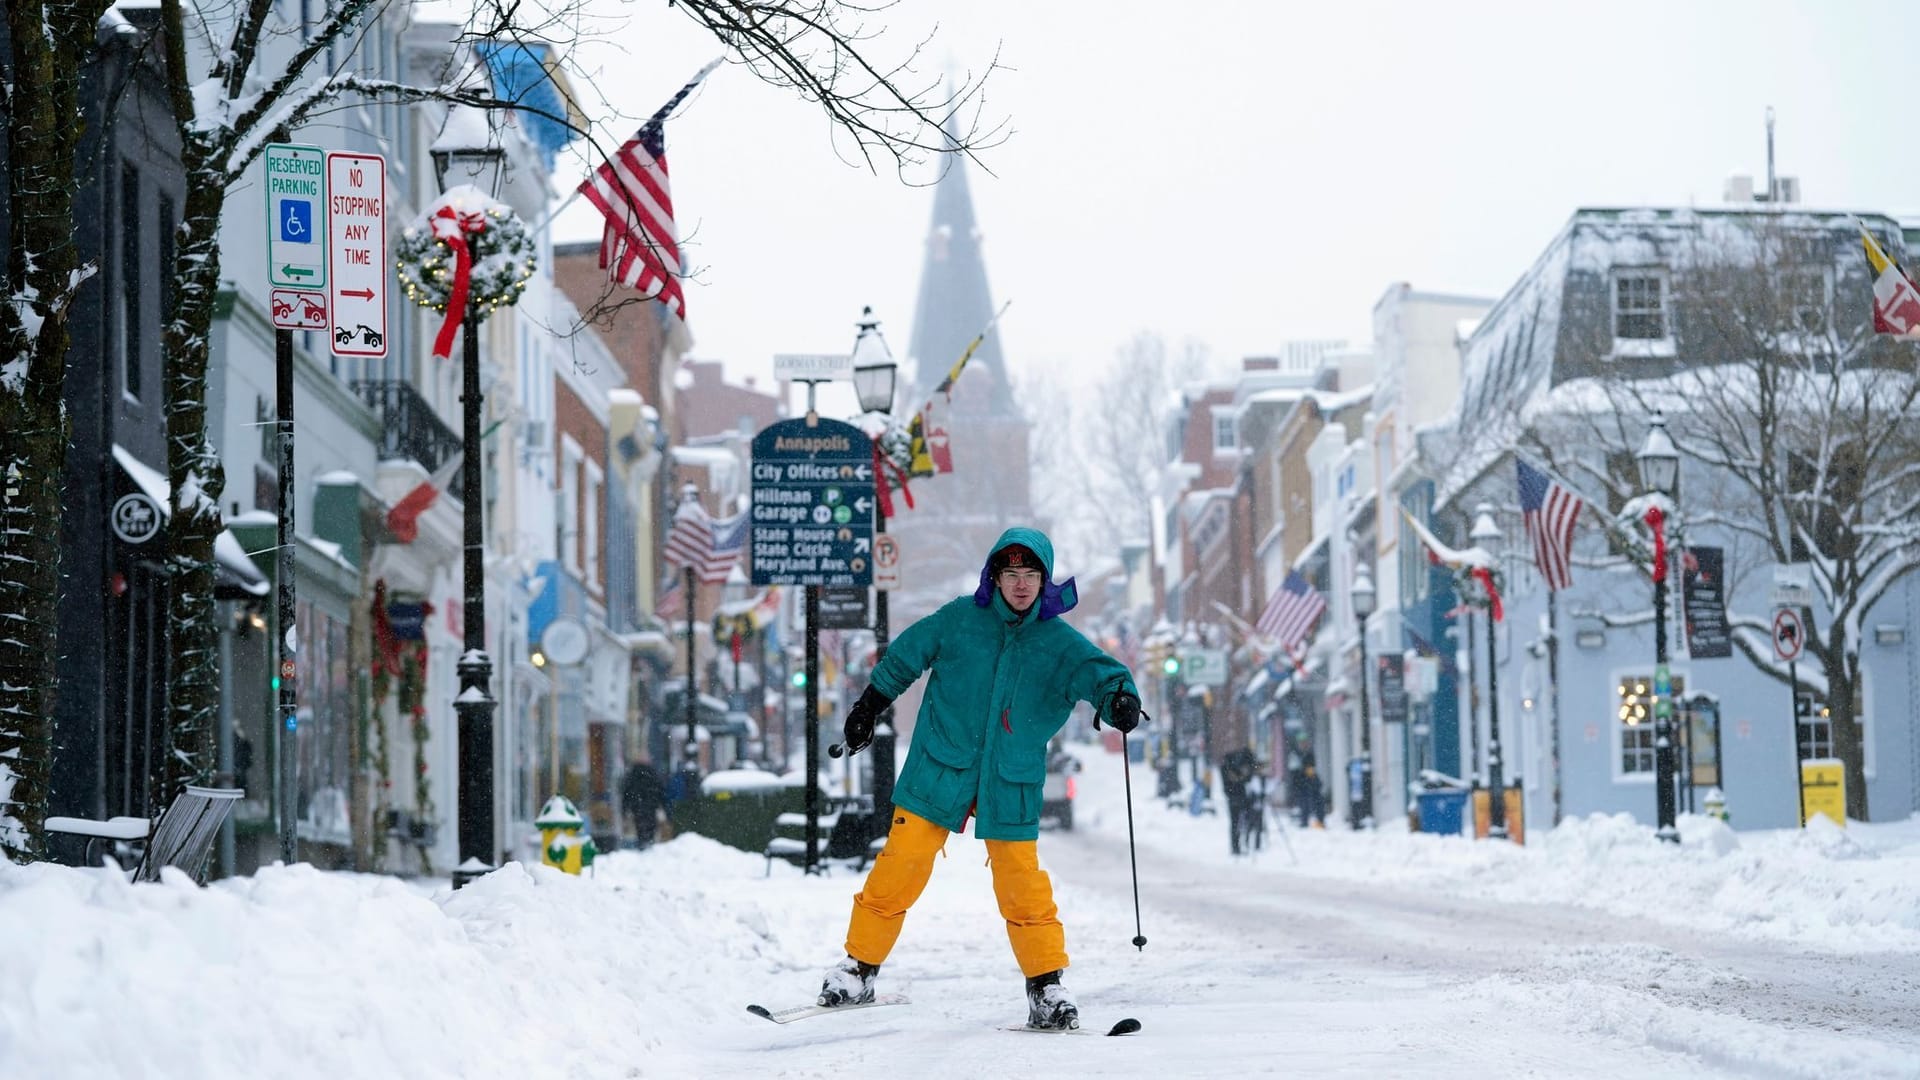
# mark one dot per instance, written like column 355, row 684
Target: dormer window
column 1640, row 305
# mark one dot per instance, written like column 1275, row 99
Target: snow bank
column 527, row 972
column 1851, row 890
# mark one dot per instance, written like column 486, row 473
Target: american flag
column 640, row 248
column 1291, row 611
column 710, row 547
column 1551, row 511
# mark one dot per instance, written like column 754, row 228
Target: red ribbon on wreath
column 453, row 226
column 1485, row 577
column 881, row 463
column 1655, row 521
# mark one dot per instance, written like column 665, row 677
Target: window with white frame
column 1640, row 305
column 569, row 515
column 1225, row 437
column 590, row 527
column 1634, row 721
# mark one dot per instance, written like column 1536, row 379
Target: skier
column 1005, row 673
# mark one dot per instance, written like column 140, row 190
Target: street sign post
column 357, row 263
column 812, row 504
column 296, row 217
column 298, row 309
column 1792, row 585
column 1789, row 634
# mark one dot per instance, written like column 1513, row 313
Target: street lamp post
column 1486, row 535
column 874, row 374
column 1659, row 463
column 465, row 154
column 1363, row 604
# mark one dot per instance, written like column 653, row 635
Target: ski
column 1128, row 1026
column 802, row 1012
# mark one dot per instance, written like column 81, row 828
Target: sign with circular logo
column 1789, row 634
column 564, row 641
column 136, row 518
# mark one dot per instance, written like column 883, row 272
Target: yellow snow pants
column 901, row 871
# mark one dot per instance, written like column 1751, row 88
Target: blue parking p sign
column 296, row 221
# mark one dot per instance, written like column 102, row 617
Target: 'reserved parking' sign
column 296, row 216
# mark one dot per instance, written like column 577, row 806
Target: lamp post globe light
column 874, row 373
column 1363, row 598
column 1486, row 536
column 1659, row 463
column 465, row 153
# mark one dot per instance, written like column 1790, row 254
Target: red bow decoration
column 453, row 226
column 882, row 463
column 1485, row 577
column 1656, row 519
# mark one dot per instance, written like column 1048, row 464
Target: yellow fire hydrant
column 564, row 843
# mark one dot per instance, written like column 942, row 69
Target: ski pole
column 1126, row 766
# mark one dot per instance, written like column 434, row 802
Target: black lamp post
column 1486, row 536
column 1659, row 473
column 1363, row 603
column 874, row 372
column 465, row 154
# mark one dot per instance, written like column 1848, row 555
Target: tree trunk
column 44, row 126
column 194, row 469
column 1847, row 745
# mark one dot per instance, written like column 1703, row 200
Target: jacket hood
column 1055, row 599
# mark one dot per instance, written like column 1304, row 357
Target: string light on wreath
column 466, row 252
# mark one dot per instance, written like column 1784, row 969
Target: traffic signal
column 1171, row 666
column 799, row 680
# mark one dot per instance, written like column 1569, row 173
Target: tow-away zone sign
column 357, row 266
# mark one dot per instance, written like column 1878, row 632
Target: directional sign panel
column 812, row 504
column 296, row 216
column 357, row 253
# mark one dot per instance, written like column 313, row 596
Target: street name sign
column 845, row 608
column 812, row 504
column 357, row 265
column 296, row 217
column 825, row 367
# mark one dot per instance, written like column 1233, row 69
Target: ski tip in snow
column 1125, row 1027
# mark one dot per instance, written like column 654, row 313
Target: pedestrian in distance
column 1237, row 771
column 642, row 796
column 1004, row 672
column 1303, row 778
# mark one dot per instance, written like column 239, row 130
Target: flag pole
column 657, row 117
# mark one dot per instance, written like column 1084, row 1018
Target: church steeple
column 954, row 301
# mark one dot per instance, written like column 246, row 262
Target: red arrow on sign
column 364, row 294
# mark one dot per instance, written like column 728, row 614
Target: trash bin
column 1443, row 812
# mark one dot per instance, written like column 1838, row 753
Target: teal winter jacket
column 1001, row 684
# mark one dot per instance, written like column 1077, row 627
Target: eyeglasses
column 1021, row 577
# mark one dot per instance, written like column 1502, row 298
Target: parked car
column 1056, row 794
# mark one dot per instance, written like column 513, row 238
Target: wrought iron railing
column 409, row 428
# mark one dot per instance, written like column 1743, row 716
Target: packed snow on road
column 1593, row 951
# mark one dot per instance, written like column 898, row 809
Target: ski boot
column 849, row 982
column 1049, row 1005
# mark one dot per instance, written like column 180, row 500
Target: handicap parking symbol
column 296, row 221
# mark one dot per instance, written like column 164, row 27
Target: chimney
column 1739, row 188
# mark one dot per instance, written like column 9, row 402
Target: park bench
column 844, row 835
column 183, row 838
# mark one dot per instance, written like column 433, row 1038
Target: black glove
column 1123, row 712
column 860, row 719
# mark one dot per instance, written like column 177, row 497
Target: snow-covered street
column 1592, row 953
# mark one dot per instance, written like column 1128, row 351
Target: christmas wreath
column 465, row 250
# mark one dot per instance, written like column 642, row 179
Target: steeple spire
column 954, row 302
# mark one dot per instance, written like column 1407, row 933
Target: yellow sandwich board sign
column 1824, row 781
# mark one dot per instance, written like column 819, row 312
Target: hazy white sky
column 1250, row 173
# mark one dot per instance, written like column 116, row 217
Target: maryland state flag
column 1896, row 302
